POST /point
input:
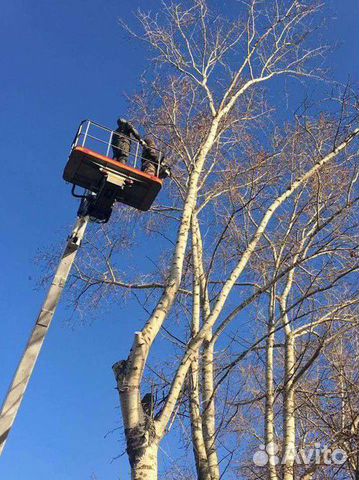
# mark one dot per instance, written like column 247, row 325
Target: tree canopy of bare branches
column 252, row 296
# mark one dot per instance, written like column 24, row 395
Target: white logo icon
column 317, row 455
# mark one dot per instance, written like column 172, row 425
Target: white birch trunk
column 289, row 409
column 145, row 466
column 269, row 406
column 140, row 431
column 209, row 408
column 209, row 414
column 196, row 426
column 199, row 448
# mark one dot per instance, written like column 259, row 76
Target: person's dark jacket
column 121, row 139
column 150, row 159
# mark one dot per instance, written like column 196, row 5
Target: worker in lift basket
column 121, row 140
column 151, row 158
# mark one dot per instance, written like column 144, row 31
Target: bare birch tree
column 236, row 178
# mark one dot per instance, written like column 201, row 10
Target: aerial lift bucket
column 89, row 166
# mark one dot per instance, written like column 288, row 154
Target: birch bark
column 269, row 406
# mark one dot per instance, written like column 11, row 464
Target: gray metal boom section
column 23, row 374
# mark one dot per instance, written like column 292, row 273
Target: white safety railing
column 100, row 139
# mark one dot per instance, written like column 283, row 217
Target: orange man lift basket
column 107, row 180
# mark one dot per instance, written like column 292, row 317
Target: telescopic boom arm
column 23, row 374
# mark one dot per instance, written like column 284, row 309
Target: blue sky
column 63, row 62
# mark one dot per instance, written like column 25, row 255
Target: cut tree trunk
column 144, row 464
column 140, row 429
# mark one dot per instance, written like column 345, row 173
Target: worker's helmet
column 121, row 122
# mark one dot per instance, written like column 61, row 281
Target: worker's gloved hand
column 165, row 171
column 142, row 142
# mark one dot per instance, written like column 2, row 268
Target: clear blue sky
column 63, row 62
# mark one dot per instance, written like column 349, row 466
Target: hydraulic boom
column 23, row 374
